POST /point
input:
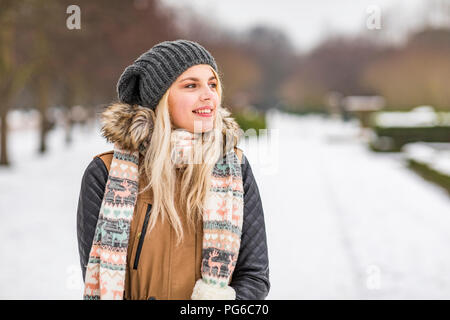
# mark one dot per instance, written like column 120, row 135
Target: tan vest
column 162, row 270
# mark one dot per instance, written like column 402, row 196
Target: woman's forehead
column 201, row 71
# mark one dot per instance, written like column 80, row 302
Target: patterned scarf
column 222, row 225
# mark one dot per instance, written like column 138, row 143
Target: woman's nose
column 206, row 93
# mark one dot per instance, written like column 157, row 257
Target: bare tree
column 13, row 76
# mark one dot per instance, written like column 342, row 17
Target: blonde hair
column 192, row 181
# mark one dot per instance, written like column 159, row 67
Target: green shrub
column 393, row 138
column 250, row 120
column 431, row 175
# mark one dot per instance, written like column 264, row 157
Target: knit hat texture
column 148, row 78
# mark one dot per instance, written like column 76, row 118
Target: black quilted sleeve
column 91, row 195
column 250, row 278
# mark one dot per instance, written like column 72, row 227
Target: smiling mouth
column 203, row 111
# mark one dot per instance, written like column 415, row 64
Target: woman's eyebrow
column 196, row 79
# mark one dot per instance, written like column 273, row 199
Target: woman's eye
column 192, row 85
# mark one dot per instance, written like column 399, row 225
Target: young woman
column 173, row 212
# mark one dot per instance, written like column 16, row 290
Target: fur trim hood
column 131, row 126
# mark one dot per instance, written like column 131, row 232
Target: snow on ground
column 38, row 201
column 342, row 222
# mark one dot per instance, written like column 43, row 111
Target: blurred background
column 346, row 109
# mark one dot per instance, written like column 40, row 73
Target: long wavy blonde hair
column 192, row 181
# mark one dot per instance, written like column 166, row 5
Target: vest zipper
column 142, row 236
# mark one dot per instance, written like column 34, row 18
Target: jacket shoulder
column 106, row 157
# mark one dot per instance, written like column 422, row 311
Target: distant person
column 153, row 221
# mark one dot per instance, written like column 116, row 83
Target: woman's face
column 193, row 99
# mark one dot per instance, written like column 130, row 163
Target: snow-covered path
column 342, row 222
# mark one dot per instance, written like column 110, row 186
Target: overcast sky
column 307, row 22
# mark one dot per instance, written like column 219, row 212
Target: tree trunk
column 42, row 95
column 3, row 143
column 69, row 97
column 68, row 124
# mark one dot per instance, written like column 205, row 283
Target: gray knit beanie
column 148, row 78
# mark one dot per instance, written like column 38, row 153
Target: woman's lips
column 203, row 112
column 205, row 115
